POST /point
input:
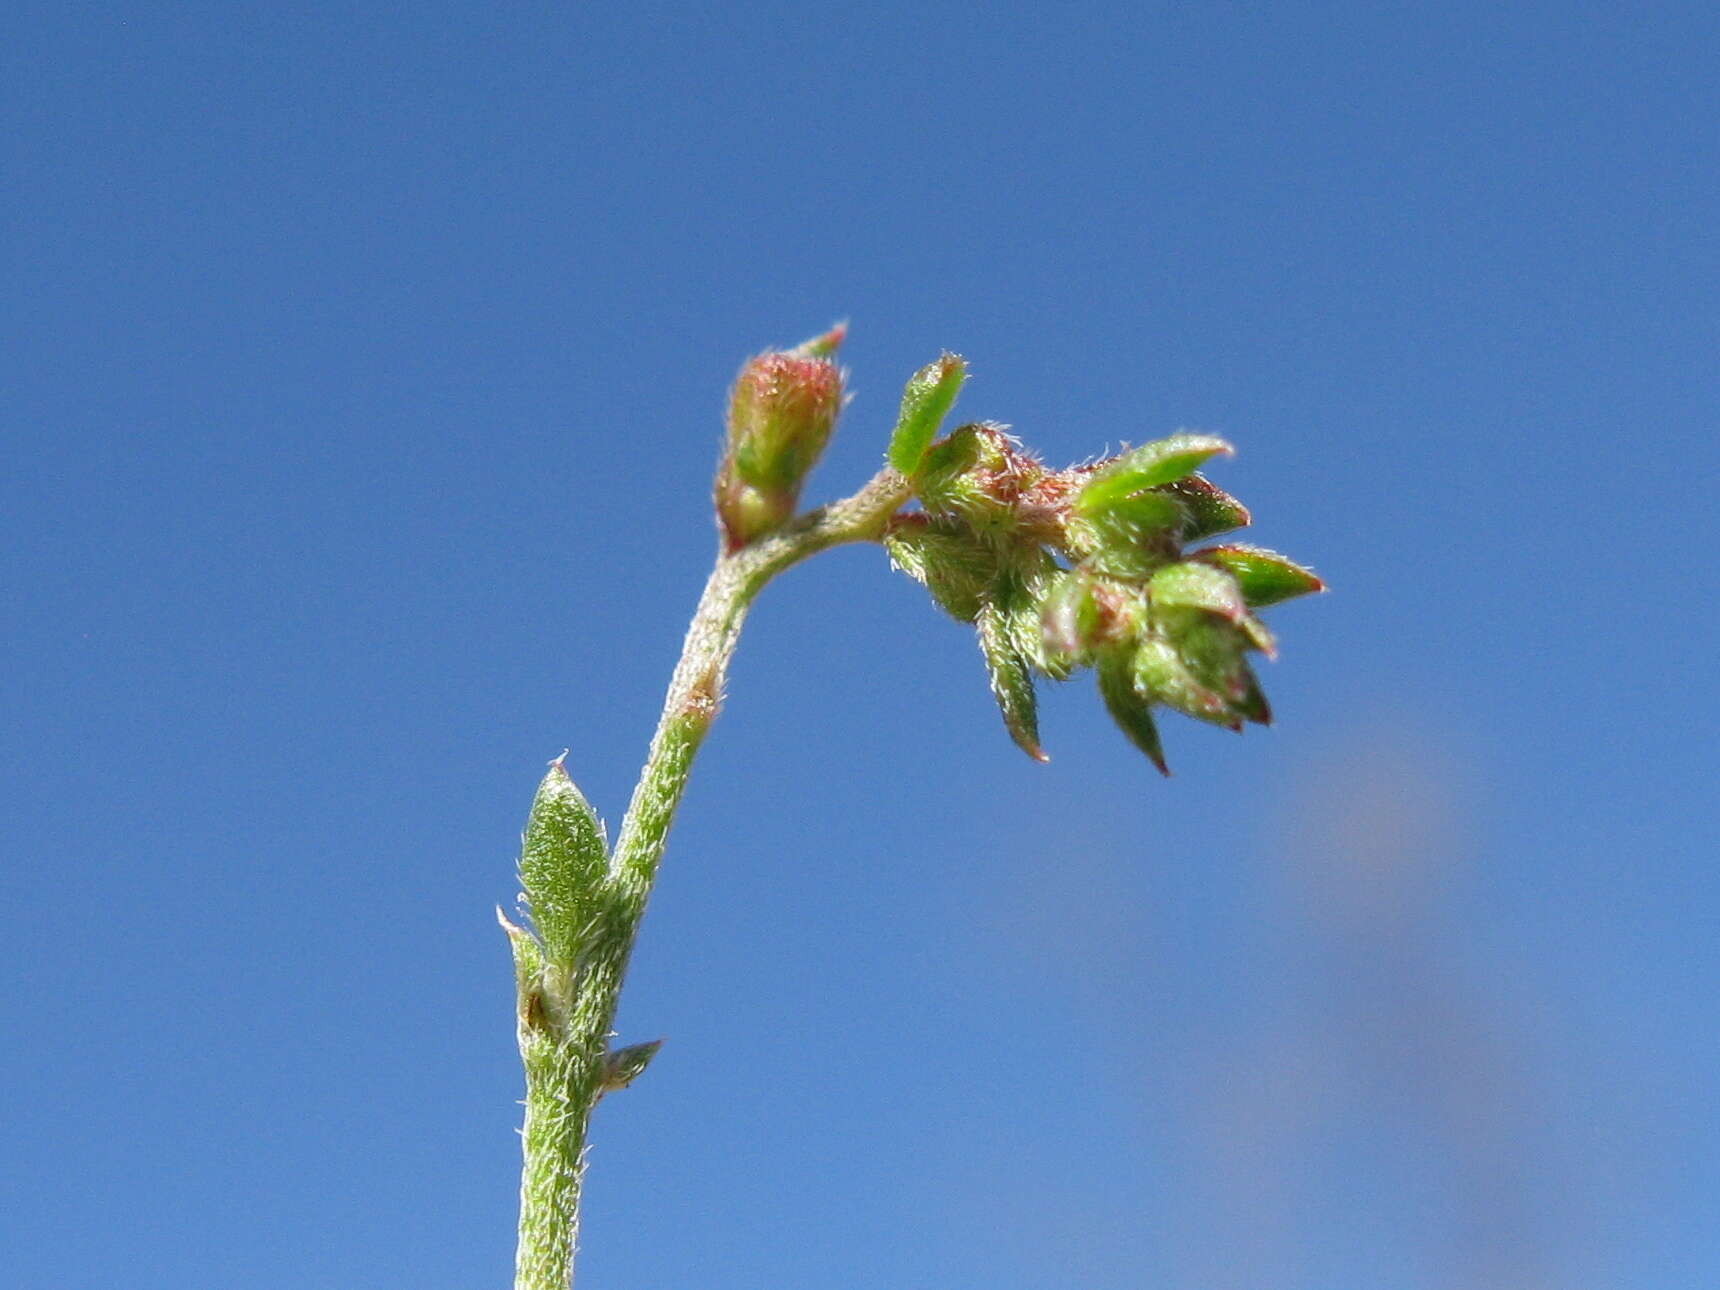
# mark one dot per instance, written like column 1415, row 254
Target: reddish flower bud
column 781, row 413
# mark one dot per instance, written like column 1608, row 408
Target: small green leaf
column 541, row 1014
column 926, row 401
column 528, row 954
column 624, row 1065
column 1265, row 577
column 1259, row 636
column 1084, row 612
column 947, row 460
column 1192, row 586
column 1211, row 510
column 1164, row 461
column 1011, row 681
column 1132, row 713
column 563, row 860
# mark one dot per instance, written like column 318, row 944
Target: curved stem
column 564, row 1084
column 695, row 691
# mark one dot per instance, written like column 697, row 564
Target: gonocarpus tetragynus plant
column 1107, row 565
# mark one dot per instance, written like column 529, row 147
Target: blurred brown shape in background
column 1376, row 1114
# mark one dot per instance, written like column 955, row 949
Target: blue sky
column 365, row 367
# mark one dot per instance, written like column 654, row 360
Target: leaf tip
column 825, row 345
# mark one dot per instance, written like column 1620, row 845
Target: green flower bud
column 1205, row 630
column 1161, row 674
column 1083, row 613
column 1214, row 653
column 978, row 472
column 944, row 483
column 781, row 414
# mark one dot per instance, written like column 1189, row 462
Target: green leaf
column 541, row 1011
column 1265, row 577
column 1011, row 681
column 926, row 401
column 528, row 954
column 1132, row 713
column 563, row 861
column 1164, row 461
column 1211, row 510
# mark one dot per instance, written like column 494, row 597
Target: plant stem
column 566, row 1060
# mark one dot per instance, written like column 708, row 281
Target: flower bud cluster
column 1092, row 567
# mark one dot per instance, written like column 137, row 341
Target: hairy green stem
column 566, row 1052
